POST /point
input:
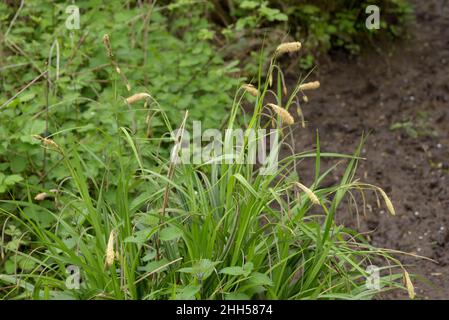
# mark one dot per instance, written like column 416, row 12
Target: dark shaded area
column 400, row 85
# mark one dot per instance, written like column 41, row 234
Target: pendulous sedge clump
column 282, row 113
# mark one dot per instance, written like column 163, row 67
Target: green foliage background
column 168, row 55
column 322, row 25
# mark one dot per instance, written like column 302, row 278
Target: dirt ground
column 370, row 93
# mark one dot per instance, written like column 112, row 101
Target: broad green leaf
column 188, row 292
column 170, row 233
column 156, row 266
column 233, row 271
column 201, row 269
column 261, row 279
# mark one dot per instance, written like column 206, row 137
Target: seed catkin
column 409, row 285
column 137, row 97
column 46, row 141
column 44, row 195
column 309, row 193
column 388, row 202
column 41, row 196
column 287, row 48
column 309, row 86
column 252, row 90
column 282, row 113
column 110, row 254
column 107, row 44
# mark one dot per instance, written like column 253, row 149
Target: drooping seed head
column 284, row 89
column 46, row 141
column 409, row 285
column 107, row 44
column 282, row 113
column 252, row 90
column 50, row 143
column 388, row 202
column 301, row 115
column 137, row 97
column 309, row 86
column 110, row 254
column 309, row 193
column 41, row 196
column 44, row 195
column 287, row 47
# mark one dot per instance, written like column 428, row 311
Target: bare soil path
column 408, row 85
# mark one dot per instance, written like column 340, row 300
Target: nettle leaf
column 13, row 103
column 27, row 96
column 31, row 128
column 188, row 292
column 248, row 4
column 248, row 267
column 260, row 279
column 12, row 179
column 201, row 269
column 140, row 236
column 17, row 163
column 13, row 231
column 150, row 255
column 148, row 220
column 42, row 217
column 206, row 34
column 10, row 266
column 239, row 271
column 2, row 177
column 170, row 233
column 273, row 14
column 233, row 271
column 70, row 242
column 25, row 263
column 14, row 244
column 8, row 181
column 156, row 266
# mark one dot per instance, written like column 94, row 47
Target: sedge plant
column 214, row 230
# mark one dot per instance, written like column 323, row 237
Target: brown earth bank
column 405, row 86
